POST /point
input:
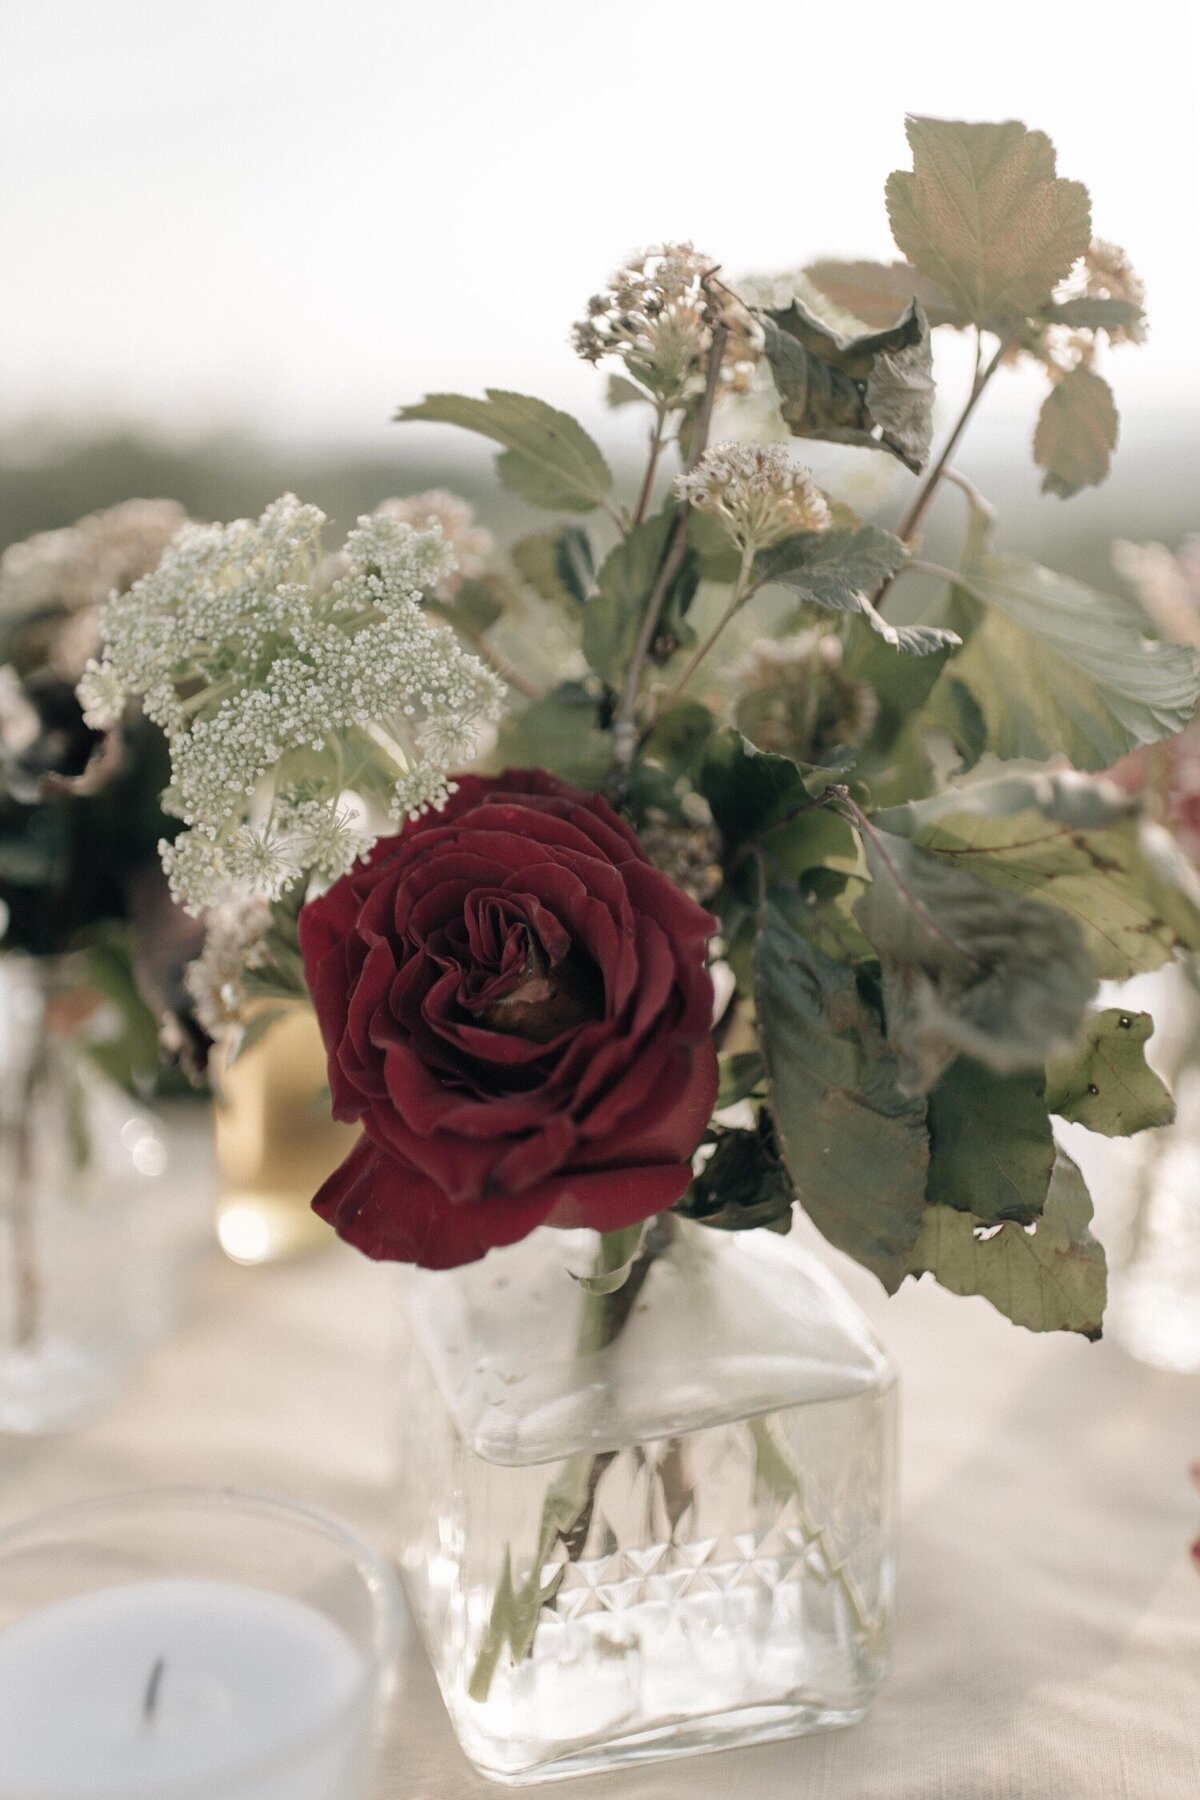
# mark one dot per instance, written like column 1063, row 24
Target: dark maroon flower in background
column 516, row 1006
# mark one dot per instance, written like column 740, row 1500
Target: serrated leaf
column 558, row 732
column 991, row 1144
column 838, row 571
column 548, row 459
column 986, row 217
column 875, row 390
column 877, row 293
column 743, row 1186
column 1075, row 843
column 856, row 1148
column 613, row 615
column 558, row 565
column 1104, row 1082
column 1060, row 669
column 1076, row 433
column 967, row 968
column 1051, row 1277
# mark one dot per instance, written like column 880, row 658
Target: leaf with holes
column 1049, row 1277
column 548, row 457
column 967, row 969
column 1076, row 433
column 985, row 216
column 1104, row 1081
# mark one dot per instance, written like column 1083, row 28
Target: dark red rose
column 516, row 1006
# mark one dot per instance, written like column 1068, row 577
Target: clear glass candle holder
column 191, row 1644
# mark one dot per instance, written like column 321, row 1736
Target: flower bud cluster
column 658, row 315
column 756, row 492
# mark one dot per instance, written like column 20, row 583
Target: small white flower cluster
column 757, row 493
column 279, row 695
column 470, row 543
column 658, row 315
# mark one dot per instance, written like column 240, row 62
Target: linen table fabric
column 1048, row 1625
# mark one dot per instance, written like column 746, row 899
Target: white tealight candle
column 201, row 1690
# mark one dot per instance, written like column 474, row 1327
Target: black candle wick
column 150, row 1698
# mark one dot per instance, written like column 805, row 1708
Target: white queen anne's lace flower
column 279, row 693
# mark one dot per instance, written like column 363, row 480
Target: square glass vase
column 648, row 1523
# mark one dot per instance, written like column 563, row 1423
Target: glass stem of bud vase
column 570, row 1498
column 22, row 1204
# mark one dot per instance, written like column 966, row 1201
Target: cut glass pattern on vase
column 722, row 1475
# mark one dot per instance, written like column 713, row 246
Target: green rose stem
column 570, row 1498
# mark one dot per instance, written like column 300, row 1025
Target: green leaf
column 1104, row 1083
column 1076, row 433
column 548, row 459
column 740, row 1075
column 475, row 607
column 967, row 968
column 557, row 565
column 559, row 732
column 1059, row 669
column 754, row 794
column 985, row 216
column 1074, row 843
column 615, row 1257
column 839, row 570
column 720, row 558
column 1089, row 312
column 878, row 293
column 875, row 390
column 613, row 617
column 679, row 735
column 1048, row 1277
column 893, row 761
column 623, row 392
column 991, row 1144
column 743, row 1185
column 855, row 1146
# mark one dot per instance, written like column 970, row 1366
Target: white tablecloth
column 1048, row 1631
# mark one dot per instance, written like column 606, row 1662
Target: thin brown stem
column 656, row 445
column 507, row 671
column 625, row 723
column 742, row 591
column 910, row 525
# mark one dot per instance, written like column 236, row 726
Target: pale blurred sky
column 291, row 214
